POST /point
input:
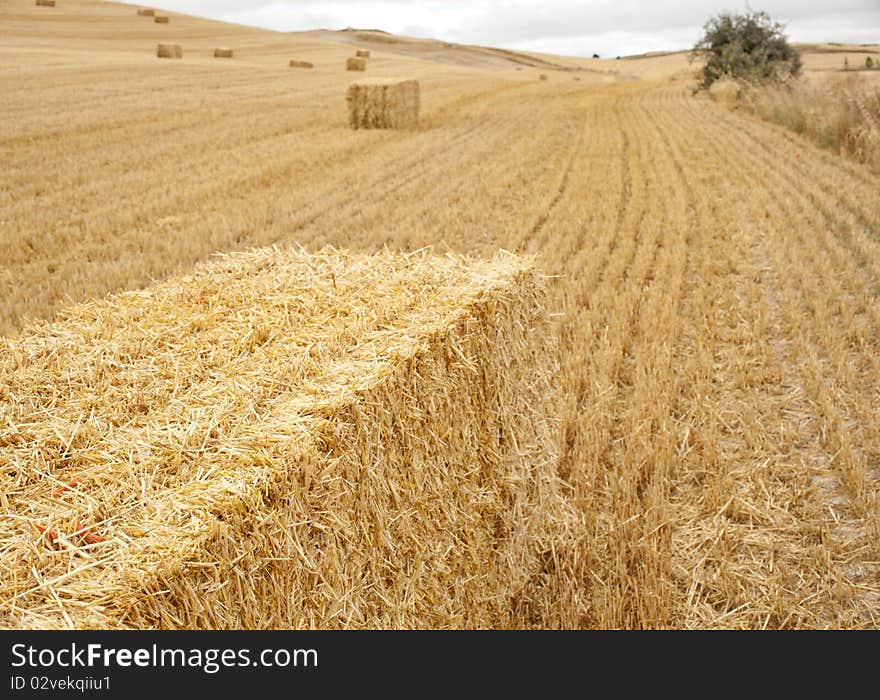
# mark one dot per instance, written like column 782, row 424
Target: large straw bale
column 543, row 76
column 362, row 53
column 356, row 64
column 162, row 19
column 281, row 439
column 383, row 103
column 46, row 3
column 223, row 52
column 145, row 12
column 300, row 64
column 169, row 51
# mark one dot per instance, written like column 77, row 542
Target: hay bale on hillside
column 162, row 19
column 383, row 103
column 362, row 53
column 143, row 12
column 356, row 64
column 285, row 440
column 300, row 64
column 169, row 51
column 543, row 76
column 223, row 52
column 46, row 3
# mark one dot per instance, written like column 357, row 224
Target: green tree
column 749, row 46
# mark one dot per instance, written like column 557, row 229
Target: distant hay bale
column 223, row 52
column 362, row 53
column 356, row 64
column 725, row 91
column 383, row 103
column 162, row 19
column 300, row 64
column 281, row 439
column 543, row 76
column 169, row 51
column 46, row 3
column 577, row 77
column 145, row 12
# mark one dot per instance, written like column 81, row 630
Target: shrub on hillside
column 751, row 47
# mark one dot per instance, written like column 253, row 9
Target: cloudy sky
column 574, row 27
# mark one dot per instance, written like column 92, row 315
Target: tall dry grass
column 842, row 115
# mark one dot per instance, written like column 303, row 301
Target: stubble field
column 714, row 279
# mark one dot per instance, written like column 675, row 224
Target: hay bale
column 356, row 64
column 46, row 3
column 169, row 51
column 223, row 52
column 162, row 19
column 362, row 53
column 285, row 440
column 300, row 64
column 725, row 90
column 543, row 76
column 383, row 103
column 143, row 12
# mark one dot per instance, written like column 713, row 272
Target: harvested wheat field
column 710, row 323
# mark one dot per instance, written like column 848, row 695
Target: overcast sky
column 574, row 27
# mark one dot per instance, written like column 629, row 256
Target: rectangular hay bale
column 169, row 51
column 383, row 103
column 300, row 64
column 282, row 439
column 362, row 53
column 355, row 64
column 45, row 3
column 144, row 12
column 223, row 52
column 162, row 19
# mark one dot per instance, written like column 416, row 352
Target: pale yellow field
column 715, row 277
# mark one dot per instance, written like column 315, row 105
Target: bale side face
column 362, row 441
column 300, row 64
column 169, row 51
column 46, row 3
column 362, row 53
column 223, row 53
column 162, row 19
column 145, row 13
column 356, row 64
column 383, row 104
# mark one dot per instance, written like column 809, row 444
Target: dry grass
column 725, row 91
column 713, row 278
column 842, row 114
column 384, row 103
column 363, row 441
